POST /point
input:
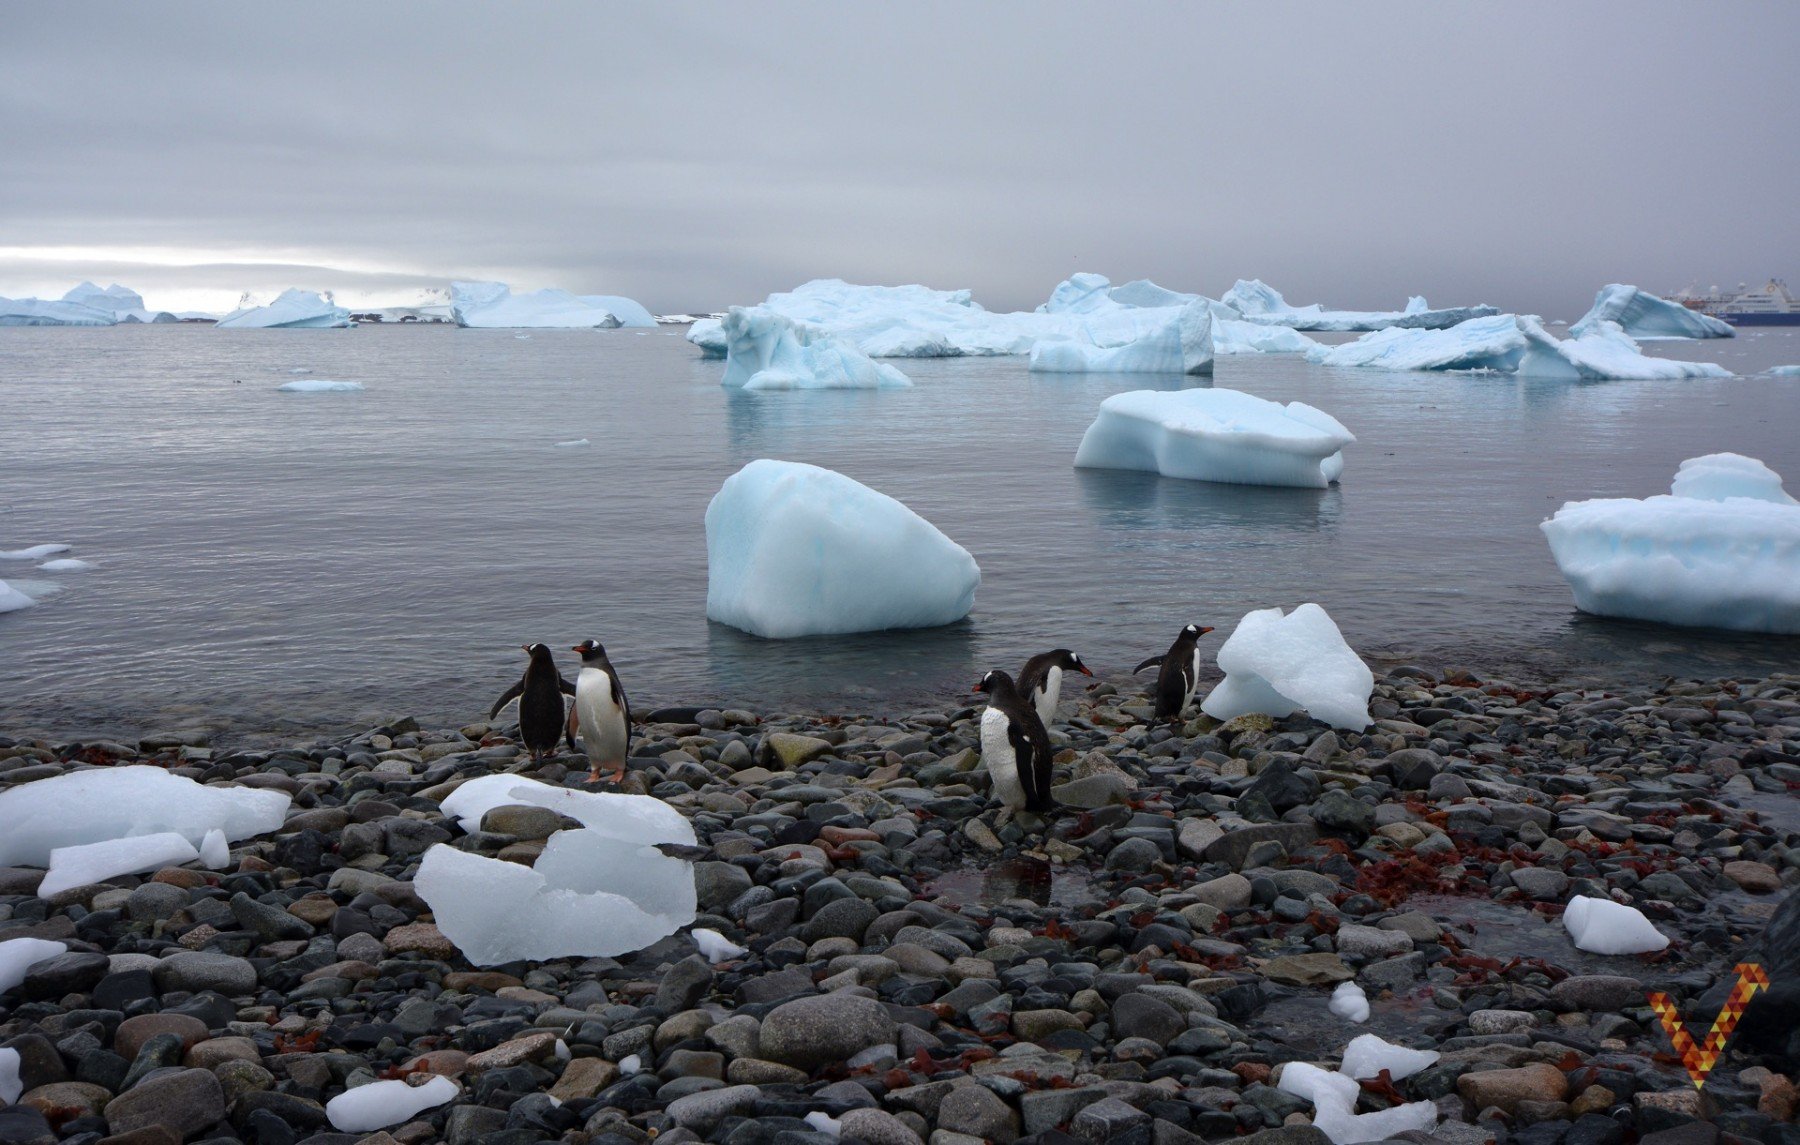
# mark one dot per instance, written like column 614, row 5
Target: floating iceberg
column 1722, row 550
column 1261, row 303
column 124, row 305
column 67, row 565
column 41, row 312
column 11, row 599
column 709, row 335
column 19, row 955
column 80, row 865
column 1334, row 1098
column 1215, row 435
column 1276, row 665
column 1093, row 296
column 379, row 1104
column 1367, row 1055
column 1182, row 345
column 103, row 804
column 34, row 553
column 1643, row 315
column 293, row 310
column 765, row 351
column 493, row 306
column 626, row 310
column 796, row 550
column 632, row 818
column 1601, row 926
column 1231, row 336
column 1603, row 351
column 1784, row 371
column 1510, row 343
column 320, row 386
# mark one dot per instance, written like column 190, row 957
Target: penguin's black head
column 589, row 648
column 993, row 681
column 1195, row 630
column 537, row 651
column 1069, row 662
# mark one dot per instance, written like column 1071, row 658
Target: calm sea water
column 293, row 562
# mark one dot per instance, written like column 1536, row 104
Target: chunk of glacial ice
column 493, row 306
column 43, row 312
column 380, row 1104
column 67, row 565
column 10, row 1084
column 1641, row 314
column 1276, row 665
column 11, row 599
column 1722, row 550
column 1182, row 345
column 215, row 850
column 1215, row 435
column 1334, row 1106
column 1367, row 1055
column 1350, row 1003
column 19, row 955
column 1784, row 371
column 320, row 386
column 102, row 804
column 1601, row 352
column 633, row 818
column 628, row 311
column 294, row 309
column 34, row 553
column 1511, row 343
column 765, row 351
column 709, row 335
column 88, row 863
column 796, row 550
column 1601, row 926
column 1259, row 302
column 715, row 947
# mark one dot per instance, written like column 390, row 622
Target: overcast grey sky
column 697, row 155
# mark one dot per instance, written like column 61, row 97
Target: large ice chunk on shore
column 796, row 550
column 42, row 312
column 1602, row 926
column 1641, row 314
column 124, row 304
column 19, row 955
column 379, row 1104
column 1182, row 345
column 1334, row 1097
column 1720, row 551
column 633, row 818
column 1367, row 1055
column 87, row 863
column 102, row 804
column 1277, row 665
column 765, row 351
column 1259, row 302
column 1215, row 435
column 294, row 309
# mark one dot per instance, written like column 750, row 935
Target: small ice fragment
column 11, row 599
column 10, row 1085
column 320, row 386
column 215, row 851
column 571, row 444
column 1350, row 1003
column 1367, row 1055
column 1601, row 926
column 67, row 564
column 87, row 863
column 563, row 1053
column 522, row 337
column 18, row 955
column 380, row 1104
column 299, row 370
column 716, row 947
column 824, row 1123
column 630, row 1064
column 34, row 553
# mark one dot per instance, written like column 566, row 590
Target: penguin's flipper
column 568, row 688
column 571, row 726
column 1150, row 663
column 507, row 697
column 618, row 695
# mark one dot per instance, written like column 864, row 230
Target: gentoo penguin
column 540, row 695
column 1041, row 679
column 1180, row 673
column 600, row 714
column 1015, row 747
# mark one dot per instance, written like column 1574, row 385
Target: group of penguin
column 1015, row 737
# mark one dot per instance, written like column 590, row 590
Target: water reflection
column 869, row 666
column 1027, row 879
column 1134, row 502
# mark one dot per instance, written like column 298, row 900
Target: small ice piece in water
column 215, row 850
column 765, row 351
column 1367, row 1055
column 380, row 1104
column 10, row 1085
column 630, row 1064
column 1182, row 345
column 824, row 1123
column 1602, row 926
column 796, row 550
column 1334, row 1106
column 293, row 310
column 1276, row 665
column 34, row 553
column 11, row 599
column 1216, row 435
column 87, row 863
column 1644, row 315
column 633, row 818
column 67, row 564
column 19, row 955
column 1350, row 1003
column 104, row 804
column 1785, row 371
column 573, row 444
column 301, row 370
column 521, row 337
column 715, row 946
column 320, row 386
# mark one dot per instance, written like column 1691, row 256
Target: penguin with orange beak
column 1179, row 677
column 1040, row 681
column 1015, row 748
column 602, row 714
column 540, row 694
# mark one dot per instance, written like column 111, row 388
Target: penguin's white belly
column 1002, row 762
column 1193, row 681
column 1046, row 697
column 601, row 721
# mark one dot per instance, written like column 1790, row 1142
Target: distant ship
column 1771, row 305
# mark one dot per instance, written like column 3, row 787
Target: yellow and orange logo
column 1700, row 1059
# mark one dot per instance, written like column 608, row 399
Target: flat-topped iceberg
column 124, row 304
column 1278, row 664
column 103, row 804
column 766, row 351
column 294, row 309
column 1641, row 314
column 1261, row 303
column 1722, row 550
column 628, row 311
column 1216, row 435
column 493, row 306
column 1511, row 343
column 1181, row 345
column 796, row 550
column 41, row 312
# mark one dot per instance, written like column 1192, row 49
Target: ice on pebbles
column 19, row 955
column 1261, row 303
column 493, row 306
column 715, row 947
column 1641, row 314
column 1350, row 1003
column 1601, row 926
column 34, row 553
column 379, row 1104
column 67, row 565
column 11, row 599
column 11, row 1086
column 709, row 335
column 630, row 1064
column 88, row 863
column 1367, row 1055
column 1721, row 550
column 102, row 804
column 796, row 550
column 634, row 818
column 1215, row 435
column 1278, row 664
column 1334, row 1097
column 293, row 309
column 215, row 850
column 765, row 351
column 825, row 1123
column 1182, row 345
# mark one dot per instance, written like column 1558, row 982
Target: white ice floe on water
column 1601, row 352
column 573, row 444
column 320, row 386
column 1350, row 1003
column 19, row 955
column 796, row 550
column 1784, row 371
column 10, row 1084
column 1182, row 345
column 11, row 599
column 1644, row 315
column 1216, row 435
column 715, row 947
column 87, row 863
column 1601, row 926
column 709, row 335
column 1334, row 1097
column 765, row 351
column 294, row 309
column 1278, row 664
column 34, row 553
column 379, row 1104
column 493, row 306
column 103, row 804
column 634, row 818
column 1261, row 303
column 67, row 565
column 1367, row 1055
column 1722, row 550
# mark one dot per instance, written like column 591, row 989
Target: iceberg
column 628, row 311
column 1215, row 435
column 1334, row 1098
column 765, row 351
column 1602, row 926
column 796, row 550
column 69, row 564
column 11, row 599
column 1643, row 315
column 319, row 386
column 1182, row 345
column 1602, row 352
column 1721, row 550
column 1093, row 296
column 19, row 955
column 1261, row 303
column 124, row 305
column 1277, row 665
column 493, row 306
column 87, row 863
column 1511, row 343
column 709, row 335
column 379, row 1104
column 633, row 818
column 103, row 804
column 39, row 312
column 293, row 310
column 1783, row 371
column 34, row 553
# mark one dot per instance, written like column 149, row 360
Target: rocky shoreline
column 1138, row 969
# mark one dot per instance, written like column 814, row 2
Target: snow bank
column 1601, row 926
column 19, row 955
column 765, row 351
column 796, row 550
column 1643, row 315
column 493, row 306
column 11, row 599
column 34, row 553
column 1510, row 343
column 1334, row 1106
column 709, row 335
column 124, row 305
column 1276, row 665
column 1182, row 345
column 380, row 1104
column 320, row 386
column 1720, row 551
column 41, row 312
column 1215, row 435
column 88, row 863
column 103, row 804
column 1261, row 303
column 633, row 818
column 293, row 310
